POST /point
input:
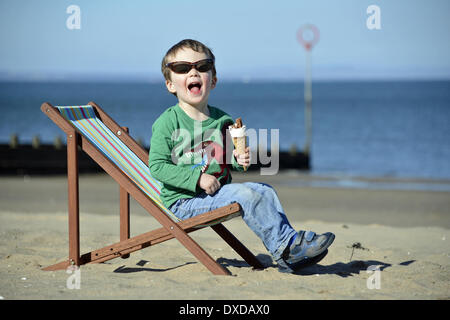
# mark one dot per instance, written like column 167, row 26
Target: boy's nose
column 193, row 72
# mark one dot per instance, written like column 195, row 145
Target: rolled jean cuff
column 279, row 252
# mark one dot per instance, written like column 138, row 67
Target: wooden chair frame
column 170, row 229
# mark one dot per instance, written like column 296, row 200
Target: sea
column 372, row 129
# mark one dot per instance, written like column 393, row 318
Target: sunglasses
column 185, row 67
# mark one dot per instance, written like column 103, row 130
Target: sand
column 402, row 235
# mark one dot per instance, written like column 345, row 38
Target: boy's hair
column 186, row 43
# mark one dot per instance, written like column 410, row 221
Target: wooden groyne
column 47, row 159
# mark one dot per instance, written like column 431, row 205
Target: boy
column 187, row 154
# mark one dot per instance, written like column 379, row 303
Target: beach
column 390, row 244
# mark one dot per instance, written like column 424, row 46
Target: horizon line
column 153, row 78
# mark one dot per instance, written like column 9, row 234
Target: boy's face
column 193, row 87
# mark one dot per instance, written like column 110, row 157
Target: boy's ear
column 170, row 86
column 213, row 82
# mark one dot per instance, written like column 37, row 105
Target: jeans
column 261, row 211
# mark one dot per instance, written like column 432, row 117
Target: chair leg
column 124, row 213
column 124, row 217
column 237, row 246
column 198, row 252
column 73, row 197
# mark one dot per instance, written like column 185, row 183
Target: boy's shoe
column 307, row 248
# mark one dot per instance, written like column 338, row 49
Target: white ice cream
column 237, row 132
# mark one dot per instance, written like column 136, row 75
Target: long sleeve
column 160, row 159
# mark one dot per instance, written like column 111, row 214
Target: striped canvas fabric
column 92, row 128
column 87, row 123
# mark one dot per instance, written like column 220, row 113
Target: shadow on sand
column 340, row 268
column 124, row 269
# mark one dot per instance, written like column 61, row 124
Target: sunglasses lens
column 204, row 66
column 181, row 68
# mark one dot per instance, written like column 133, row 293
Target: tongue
column 195, row 90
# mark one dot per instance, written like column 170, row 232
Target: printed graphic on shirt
column 204, row 154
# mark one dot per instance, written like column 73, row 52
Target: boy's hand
column 243, row 159
column 209, row 183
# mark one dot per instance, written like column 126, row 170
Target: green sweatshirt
column 182, row 148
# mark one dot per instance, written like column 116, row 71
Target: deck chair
column 112, row 148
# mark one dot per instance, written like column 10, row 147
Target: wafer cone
column 237, row 131
column 240, row 144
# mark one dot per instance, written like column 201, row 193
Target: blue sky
column 252, row 40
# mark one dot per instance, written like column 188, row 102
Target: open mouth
column 195, row 87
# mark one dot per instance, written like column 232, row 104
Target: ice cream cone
column 238, row 134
